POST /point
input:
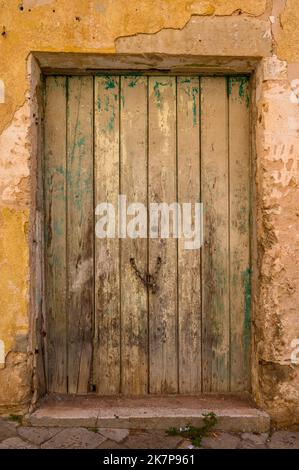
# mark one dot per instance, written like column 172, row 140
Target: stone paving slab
column 111, row 445
column 16, row 443
column 254, row 441
column 15, row 436
column 7, row 429
column 74, row 438
column 152, row 440
column 284, row 440
column 222, row 440
column 185, row 444
column 37, row 435
column 115, row 434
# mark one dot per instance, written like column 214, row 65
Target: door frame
column 41, row 64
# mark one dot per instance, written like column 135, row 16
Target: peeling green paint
column 185, row 80
column 194, row 106
column 133, row 82
column 157, row 92
column 81, row 141
column 109, row 83
column 111, row 120
column 244, row 92
column 99, row 103
column 106, row 103
column 247, row 305
column 192, row 92
column 57, row 228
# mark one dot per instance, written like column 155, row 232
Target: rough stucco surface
column 276, row 308
column 288, row 41
column 97, row 26
column 14, row 160
column 233, row 36
column 89, row 26
column 14, row 274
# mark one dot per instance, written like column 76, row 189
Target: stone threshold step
column 234, row 413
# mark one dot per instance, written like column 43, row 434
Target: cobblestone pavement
column 15, row 436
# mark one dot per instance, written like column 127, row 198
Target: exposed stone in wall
column 36, row 3
column 231, row 36
column 16, row 376
column 15, row 382
column 14, row 161
column 276, row 310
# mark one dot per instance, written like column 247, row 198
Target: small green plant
column 193, row 433
column 15, row 418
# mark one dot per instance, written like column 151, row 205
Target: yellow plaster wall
column 288, row 39
column 14, row 275
column 87, row 26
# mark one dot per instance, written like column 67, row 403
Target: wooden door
column 154, row 139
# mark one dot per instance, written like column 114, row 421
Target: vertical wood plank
column 107, row 283
column 239, row 135
column 55, row 233
column 215, row 253
column 134, row 308
column 189, row 294
column 163, row 188
column 80, row 233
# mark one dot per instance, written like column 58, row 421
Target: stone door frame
column 217, row 45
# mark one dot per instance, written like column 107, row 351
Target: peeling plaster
column 36, row 3
column 276, row 383
column 231, row 36
column 14, row 160
column 100, row 25
column 14, row 279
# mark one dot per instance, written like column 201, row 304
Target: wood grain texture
column 80, row 232
column 239, row 135
column 163, row 188
column 134, row 301
column 157, row 139
column 107, row 280
column 189, row 282
column 55, row 233
column 215, row 253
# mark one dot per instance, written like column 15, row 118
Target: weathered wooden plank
column 55, row 233
column 215, row 253
column 189, row 289
column 239, row 135
column 162, row 189
column 106, row 368
column 134, row 301
column 80, row 232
